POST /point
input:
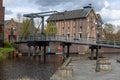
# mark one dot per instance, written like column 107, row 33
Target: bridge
column 72, row 40
column 64, row 41
column 43, row 40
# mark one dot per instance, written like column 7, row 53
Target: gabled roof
column 80, row 13
column 11, row 20
column 6, row 21
column 99, row 18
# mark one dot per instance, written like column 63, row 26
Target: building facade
column 1, row 23
column 81, row 23
column 78, row 24
column 11, row 30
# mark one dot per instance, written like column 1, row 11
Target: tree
column 51, row 29
column 118, row 35
column 25, row 28
column 109, row 31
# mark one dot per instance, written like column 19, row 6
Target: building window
column 63, row 28
column 74, row 34
column 68, row 28
column 80, row 27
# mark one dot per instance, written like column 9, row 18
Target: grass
column 4, row 52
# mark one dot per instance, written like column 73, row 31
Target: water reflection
column 28, row 68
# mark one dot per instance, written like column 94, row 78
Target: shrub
column 8, row 45
column 4, row 52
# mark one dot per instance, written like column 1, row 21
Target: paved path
column 85, row 70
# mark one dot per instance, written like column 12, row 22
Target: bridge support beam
column 68, row 49
column 29, row 50
column 39, row 51
column 44, row 58
column 92, row 47
column 92, row 53
column 34, row 51
column 97, row 54
column 63, row 48
column 42, row 31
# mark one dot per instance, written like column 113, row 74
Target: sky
column 108, row 9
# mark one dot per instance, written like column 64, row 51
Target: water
column 28, row 68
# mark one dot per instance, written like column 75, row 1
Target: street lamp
column 12, row 29
column 97, row 47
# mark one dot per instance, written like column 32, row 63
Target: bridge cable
column 38, row 27
column 26, row 27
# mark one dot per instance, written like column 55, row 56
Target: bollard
column 65, row 72
column 105, row 65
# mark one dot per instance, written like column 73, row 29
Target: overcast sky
column 109, row 9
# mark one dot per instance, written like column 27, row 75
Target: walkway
column 84, row 69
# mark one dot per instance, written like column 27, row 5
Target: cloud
column 108, row 9
column 69, row 4
column 110, row 14
column 8, row 12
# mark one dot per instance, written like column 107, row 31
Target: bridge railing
column 69, row 39
column 56, row 38
column 110, row 42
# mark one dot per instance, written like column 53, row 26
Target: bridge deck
column 81, row 41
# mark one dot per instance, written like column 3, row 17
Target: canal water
column 29, row 68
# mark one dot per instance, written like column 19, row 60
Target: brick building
column 78, row 24
column 11, row 30
column 1, row 22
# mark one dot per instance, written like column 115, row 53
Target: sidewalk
column 84, row 69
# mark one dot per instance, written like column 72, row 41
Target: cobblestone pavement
column 84, row 69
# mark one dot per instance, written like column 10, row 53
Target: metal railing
column 71, row 39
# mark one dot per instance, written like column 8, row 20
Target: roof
column 99, row 18
column 7, row 21
column 80, row 13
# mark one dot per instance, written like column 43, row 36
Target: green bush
column 8, row 45
column 4, row 52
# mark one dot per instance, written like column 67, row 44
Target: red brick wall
column 1, row 20
column 7, row 31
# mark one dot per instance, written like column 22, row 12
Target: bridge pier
column 92, row 47
column 29, row 50
column 63, row 48
column 68, row 49
column 39, row 51
column 34, row 51
column 92, row 53
column 97, row 55
column 44, row 58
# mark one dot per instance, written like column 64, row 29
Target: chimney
column 2, row 9
column 1, row 3
column 89, row 6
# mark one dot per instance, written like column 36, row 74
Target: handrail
column 113, row 43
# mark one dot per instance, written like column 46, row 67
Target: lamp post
column 97, row 47
column 12, row 34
